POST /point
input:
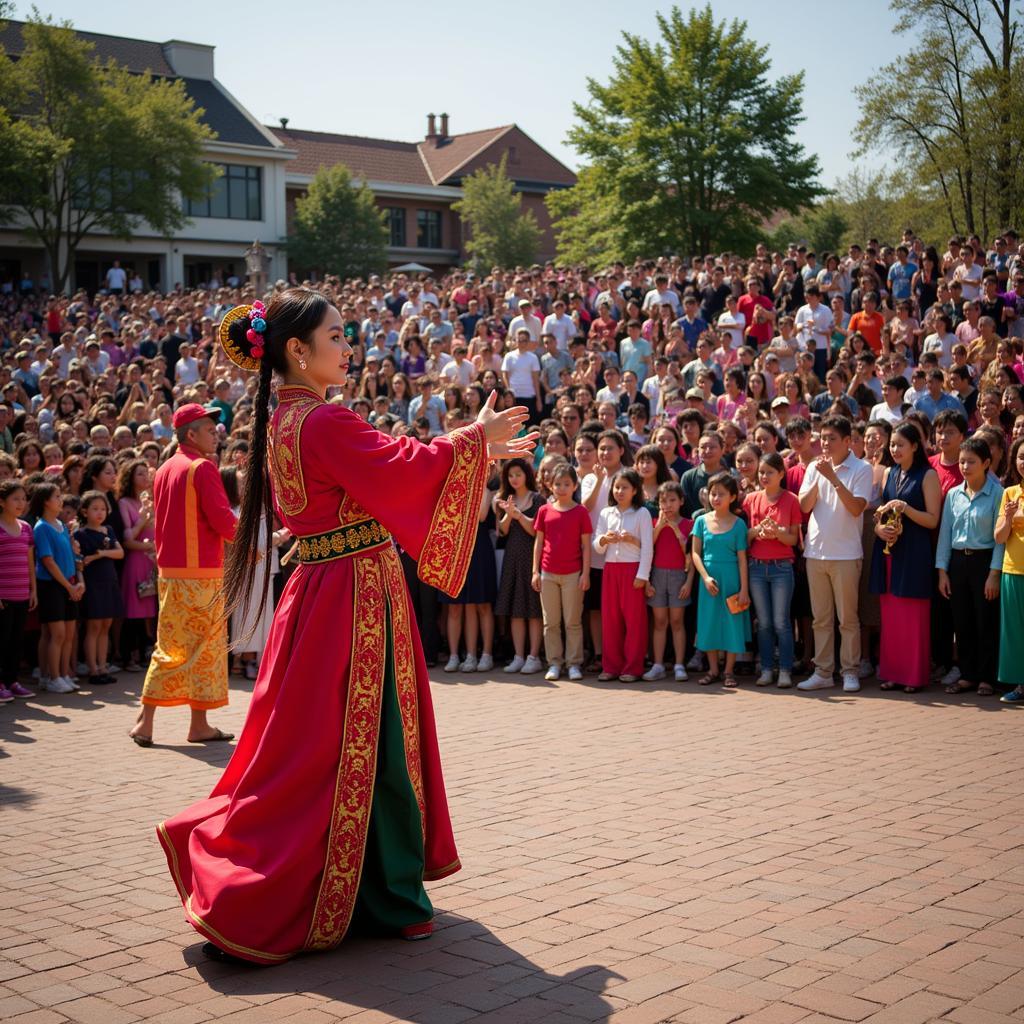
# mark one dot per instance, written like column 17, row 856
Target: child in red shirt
column 561, row 572
column 668, row 591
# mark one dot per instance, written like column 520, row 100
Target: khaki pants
column 562, row 601
column 834, row 585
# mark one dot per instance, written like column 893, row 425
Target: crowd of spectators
column 834, row 437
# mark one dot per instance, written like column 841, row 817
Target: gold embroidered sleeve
column 446, row 554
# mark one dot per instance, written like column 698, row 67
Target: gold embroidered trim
column 357, row 766
column 186, row 899
column 444, row 560
column 343, row 542
column 285, row 460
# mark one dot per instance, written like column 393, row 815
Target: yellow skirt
column 190, row 662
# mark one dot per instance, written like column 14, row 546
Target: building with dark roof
column 415, row 183
column 248, row 201
column 266, row 169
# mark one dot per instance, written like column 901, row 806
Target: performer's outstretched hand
column 500, row 429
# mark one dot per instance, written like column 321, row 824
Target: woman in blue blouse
column 969, row 563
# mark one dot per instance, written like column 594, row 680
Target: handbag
column 147, row 587
column 735, row 605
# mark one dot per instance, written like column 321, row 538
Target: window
column 428, row 229
column 237, row 194
column 394, row 221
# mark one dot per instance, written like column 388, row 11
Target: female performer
column 332, row 811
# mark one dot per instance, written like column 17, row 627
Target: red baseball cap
column 194, row 411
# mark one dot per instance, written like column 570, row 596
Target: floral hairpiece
column 257, row 326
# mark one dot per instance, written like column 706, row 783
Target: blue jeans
column 771, row 590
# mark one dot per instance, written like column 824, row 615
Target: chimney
column 431, row 127
column 444, row 126
column 284, row 122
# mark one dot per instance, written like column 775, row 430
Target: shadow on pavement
column 463, row 971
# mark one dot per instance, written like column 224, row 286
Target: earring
column 302, row 364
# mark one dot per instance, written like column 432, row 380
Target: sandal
column 963, row 686
column 707, row 680
column 606, row 677
column 729, row 681
column 217, row 737
column 140, row 740
column 985, row 690
column 887, row 685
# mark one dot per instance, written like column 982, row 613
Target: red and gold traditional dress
column 332, row 811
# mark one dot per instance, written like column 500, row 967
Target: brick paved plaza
column 636, row 853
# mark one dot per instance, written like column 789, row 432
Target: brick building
column 415, row 183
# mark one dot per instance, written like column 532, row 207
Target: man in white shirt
column 520, row 370
column 893, row 404
column 814, row 325
column 560, row 325
column 968, row 273
column 459, row 370
column 116, row 278
column 186, row 369
column 653, row 388
column 660, row 294
column 733, row 322
column 526, row 321
column 835, row 491
column 613, row 389
column 95, row 358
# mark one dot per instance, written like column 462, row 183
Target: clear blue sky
column 379, row 68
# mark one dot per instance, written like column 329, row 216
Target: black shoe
column 216, row 953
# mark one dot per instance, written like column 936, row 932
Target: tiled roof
column 373, row 159
column 135, row 54
column 444, row 158
column 230, row 123
column 139, row 56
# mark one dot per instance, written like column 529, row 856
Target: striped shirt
column 14, row 582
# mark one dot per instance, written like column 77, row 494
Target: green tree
column 502, row 233
column 338, row 229
column 822, row 227
column 692, row 147
column 954, row 119
column 89, row 146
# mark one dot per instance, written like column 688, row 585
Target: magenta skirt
column 905, row 648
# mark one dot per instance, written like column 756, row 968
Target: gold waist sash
column 343, row 542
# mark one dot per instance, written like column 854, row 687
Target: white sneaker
column 951, row 677
column 553, row 673
column 816, row 682
column 696, row 662
column 851, row 684
column 452, row 664
column 57, row 685
column 679, row 671
column 785, row 679
column 469, row 665
column 36, row 674
column 82, row 669
column 485, row 664
column 765, row 678
column 653, row 673
column 516, row 664
column 532, row 665
column 865, row 670
column 575, row 675
column 71, row 682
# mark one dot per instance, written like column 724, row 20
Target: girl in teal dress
column 720, row 556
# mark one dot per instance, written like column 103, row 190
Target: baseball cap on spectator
column 524, row 302
column 695, row 394
column 780, row 400
column 194, row 411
